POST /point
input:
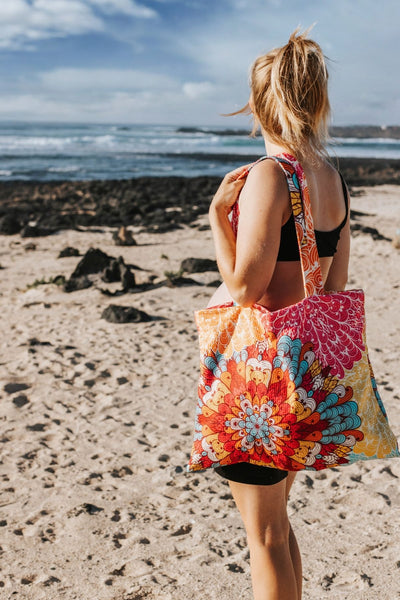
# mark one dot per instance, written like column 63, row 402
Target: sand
column 95, row 501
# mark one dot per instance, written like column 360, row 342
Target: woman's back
column 328, row 208
column 266, row 184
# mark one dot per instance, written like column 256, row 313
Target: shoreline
column 157, row 204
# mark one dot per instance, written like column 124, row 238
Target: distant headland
column 346, row 131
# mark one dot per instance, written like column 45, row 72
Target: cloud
column 23, row 23
column 198, row 90
column 97, row 95
column 127, row 7
column 76, row 81
column 111, row 95
column 187, row 61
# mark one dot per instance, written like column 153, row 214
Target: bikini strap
column 346, row 197
column 301, row 207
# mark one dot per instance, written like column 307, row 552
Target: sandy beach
column 97, row 417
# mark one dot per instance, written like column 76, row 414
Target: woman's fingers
column 239, row 173
column 230, row 188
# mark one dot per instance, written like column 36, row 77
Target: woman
column 260, row 264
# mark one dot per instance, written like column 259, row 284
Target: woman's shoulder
column 267, row 172
column 266, row 185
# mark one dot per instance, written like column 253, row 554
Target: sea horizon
column 57, row 151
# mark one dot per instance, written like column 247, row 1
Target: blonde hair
column 289, row 96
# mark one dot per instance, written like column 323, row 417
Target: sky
column 184, row 62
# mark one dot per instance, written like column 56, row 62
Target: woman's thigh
column 263, row 510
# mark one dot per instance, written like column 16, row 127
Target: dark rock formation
column 346, row 131
column 176, row 280
column 127, row 277
column 30, row 246
column 11, row 388
column 10, row 224
column 20, row 400
column 125, row 314
column 36, row 231
column 143, row 201
column 357, row 228
column 157, row 204
column 74, row 284
column 94, row 261
column 112, row 272
column 198, row 265
column 68, row 251
column 119, row 271
column 123, row 237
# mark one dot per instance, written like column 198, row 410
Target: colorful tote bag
column 290, row 389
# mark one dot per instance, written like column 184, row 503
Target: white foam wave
column 32, row 143
column 366, row 141
column 68, row 169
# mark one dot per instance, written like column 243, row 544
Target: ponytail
column 289, row 96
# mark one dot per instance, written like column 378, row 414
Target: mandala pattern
column 273, row 404
column 291, row 389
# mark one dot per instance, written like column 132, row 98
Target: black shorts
column 252, row 474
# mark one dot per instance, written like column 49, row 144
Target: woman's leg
column 294, row 548
column 263, row 510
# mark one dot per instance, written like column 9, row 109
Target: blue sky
column 186, row 61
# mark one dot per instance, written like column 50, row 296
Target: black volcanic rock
column 176, row 280
column 198, row 265
column 20, row 400
column 36, row 231
column 346, row 131
column 117, row 270
column 112, row 272
column 10, row 224
column 127, row 278
column 123, row 237
column 11, row 388
column 73, row 284
column 94, row 261
column 156, row 204
column 358, row 228
column 124, row 314
column 68, row 251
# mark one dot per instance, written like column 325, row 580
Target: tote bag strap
column 301, row 206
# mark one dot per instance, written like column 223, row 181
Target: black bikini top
column 327, row 241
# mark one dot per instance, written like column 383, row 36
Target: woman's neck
column 272, row 148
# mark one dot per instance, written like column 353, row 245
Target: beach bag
column 290, row 389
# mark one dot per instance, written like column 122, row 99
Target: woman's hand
column 229, row 189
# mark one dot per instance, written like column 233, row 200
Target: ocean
column 54, row 152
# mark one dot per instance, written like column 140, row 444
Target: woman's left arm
column 247, row 263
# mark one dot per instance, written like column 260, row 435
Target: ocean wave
column 71, row 151
column 378, row 142
column 11, row 142
column 67, row 169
